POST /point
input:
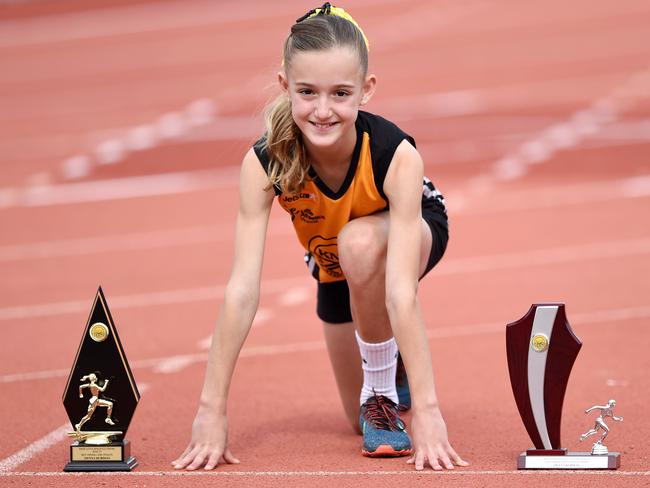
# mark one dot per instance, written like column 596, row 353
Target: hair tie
column 329, row 9
column 306, row 16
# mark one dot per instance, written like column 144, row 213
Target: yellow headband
column 328, row 9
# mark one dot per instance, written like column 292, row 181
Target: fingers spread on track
column 183, row 457
column 229, row 458
column 458, row 461
column 213, row 461
column 199, row 460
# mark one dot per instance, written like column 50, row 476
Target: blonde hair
column 318, row 30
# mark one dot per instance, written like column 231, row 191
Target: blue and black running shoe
column 384, row 433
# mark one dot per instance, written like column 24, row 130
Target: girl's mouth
column 323, row 126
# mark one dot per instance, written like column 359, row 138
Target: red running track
column 122, row 126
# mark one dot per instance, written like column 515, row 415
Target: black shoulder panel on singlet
column 385, row 136
column 260, row 150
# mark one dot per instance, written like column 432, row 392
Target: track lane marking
column 532, row 198
column 125, row 20
column 536, row 257
column 57, row 435
column 11, row 462
column 284, row 474
column 540, row 257
column 584, row 318
column 166, row 297
column 571, row 131
column 132, row 241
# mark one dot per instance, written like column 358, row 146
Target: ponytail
column 288, row 168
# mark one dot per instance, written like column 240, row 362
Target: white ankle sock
column 379, row 362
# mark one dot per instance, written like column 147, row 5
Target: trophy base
column 568, row 460
column 115, row 456
column 78, row 466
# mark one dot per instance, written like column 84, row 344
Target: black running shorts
column 333, row 299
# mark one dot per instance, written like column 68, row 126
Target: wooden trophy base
column 561, row 459
column 115, row 456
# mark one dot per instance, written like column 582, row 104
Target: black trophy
column 100, row 397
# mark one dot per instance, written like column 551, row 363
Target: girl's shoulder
column 384, row 137
column 376, row 121
column 260, row 150
column 259, row 147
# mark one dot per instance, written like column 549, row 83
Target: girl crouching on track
column 372, row 226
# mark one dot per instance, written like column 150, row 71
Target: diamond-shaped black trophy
column 100, row 397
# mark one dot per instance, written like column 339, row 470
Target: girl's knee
column 362, row 249
column 362, row 241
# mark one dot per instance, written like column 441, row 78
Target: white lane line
column 200, row 112
column 540, row 257
column 110, row 151
column 170, row 125
column 137, row 19
column 131, row 241
column 167, row 297
column 263, row 315
column 10, row 463
column 536, row 257
column 34, row 375
column 140, row 138
column 204, row 180
column 532, row 198
column 295, row 296
column 551, row 196
column 172, row 364
column 637, row 187
column 126, row 242
column 146, row 136
column 572, row 131
column 577, row 319
column 76, row 167
column 286, row 474
column 122, row 188
column 509, row 97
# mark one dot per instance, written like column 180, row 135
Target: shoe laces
column 382, row 412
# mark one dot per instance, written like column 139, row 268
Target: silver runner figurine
column 605, row 411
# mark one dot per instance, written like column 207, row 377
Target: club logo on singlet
column 306, row 215
column 326, row 254
column 294, row 197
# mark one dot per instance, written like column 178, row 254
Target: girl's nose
column 322, row 110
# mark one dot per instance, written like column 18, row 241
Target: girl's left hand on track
column 431, row 446
column 209, row 444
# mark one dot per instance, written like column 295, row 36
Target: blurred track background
column 122, row 126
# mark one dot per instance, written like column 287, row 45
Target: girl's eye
column 305, row 91
column 341, row 93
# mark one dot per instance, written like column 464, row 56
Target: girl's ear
column 282, row 80
column 368, row 88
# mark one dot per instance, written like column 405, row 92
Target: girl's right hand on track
column 209, row 444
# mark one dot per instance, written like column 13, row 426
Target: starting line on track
column 281, row 474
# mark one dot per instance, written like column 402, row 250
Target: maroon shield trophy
column 541, row 350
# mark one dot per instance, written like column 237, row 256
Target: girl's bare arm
column 209, row 443
column 403, row 187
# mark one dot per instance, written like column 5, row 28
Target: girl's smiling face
column 326, row 89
